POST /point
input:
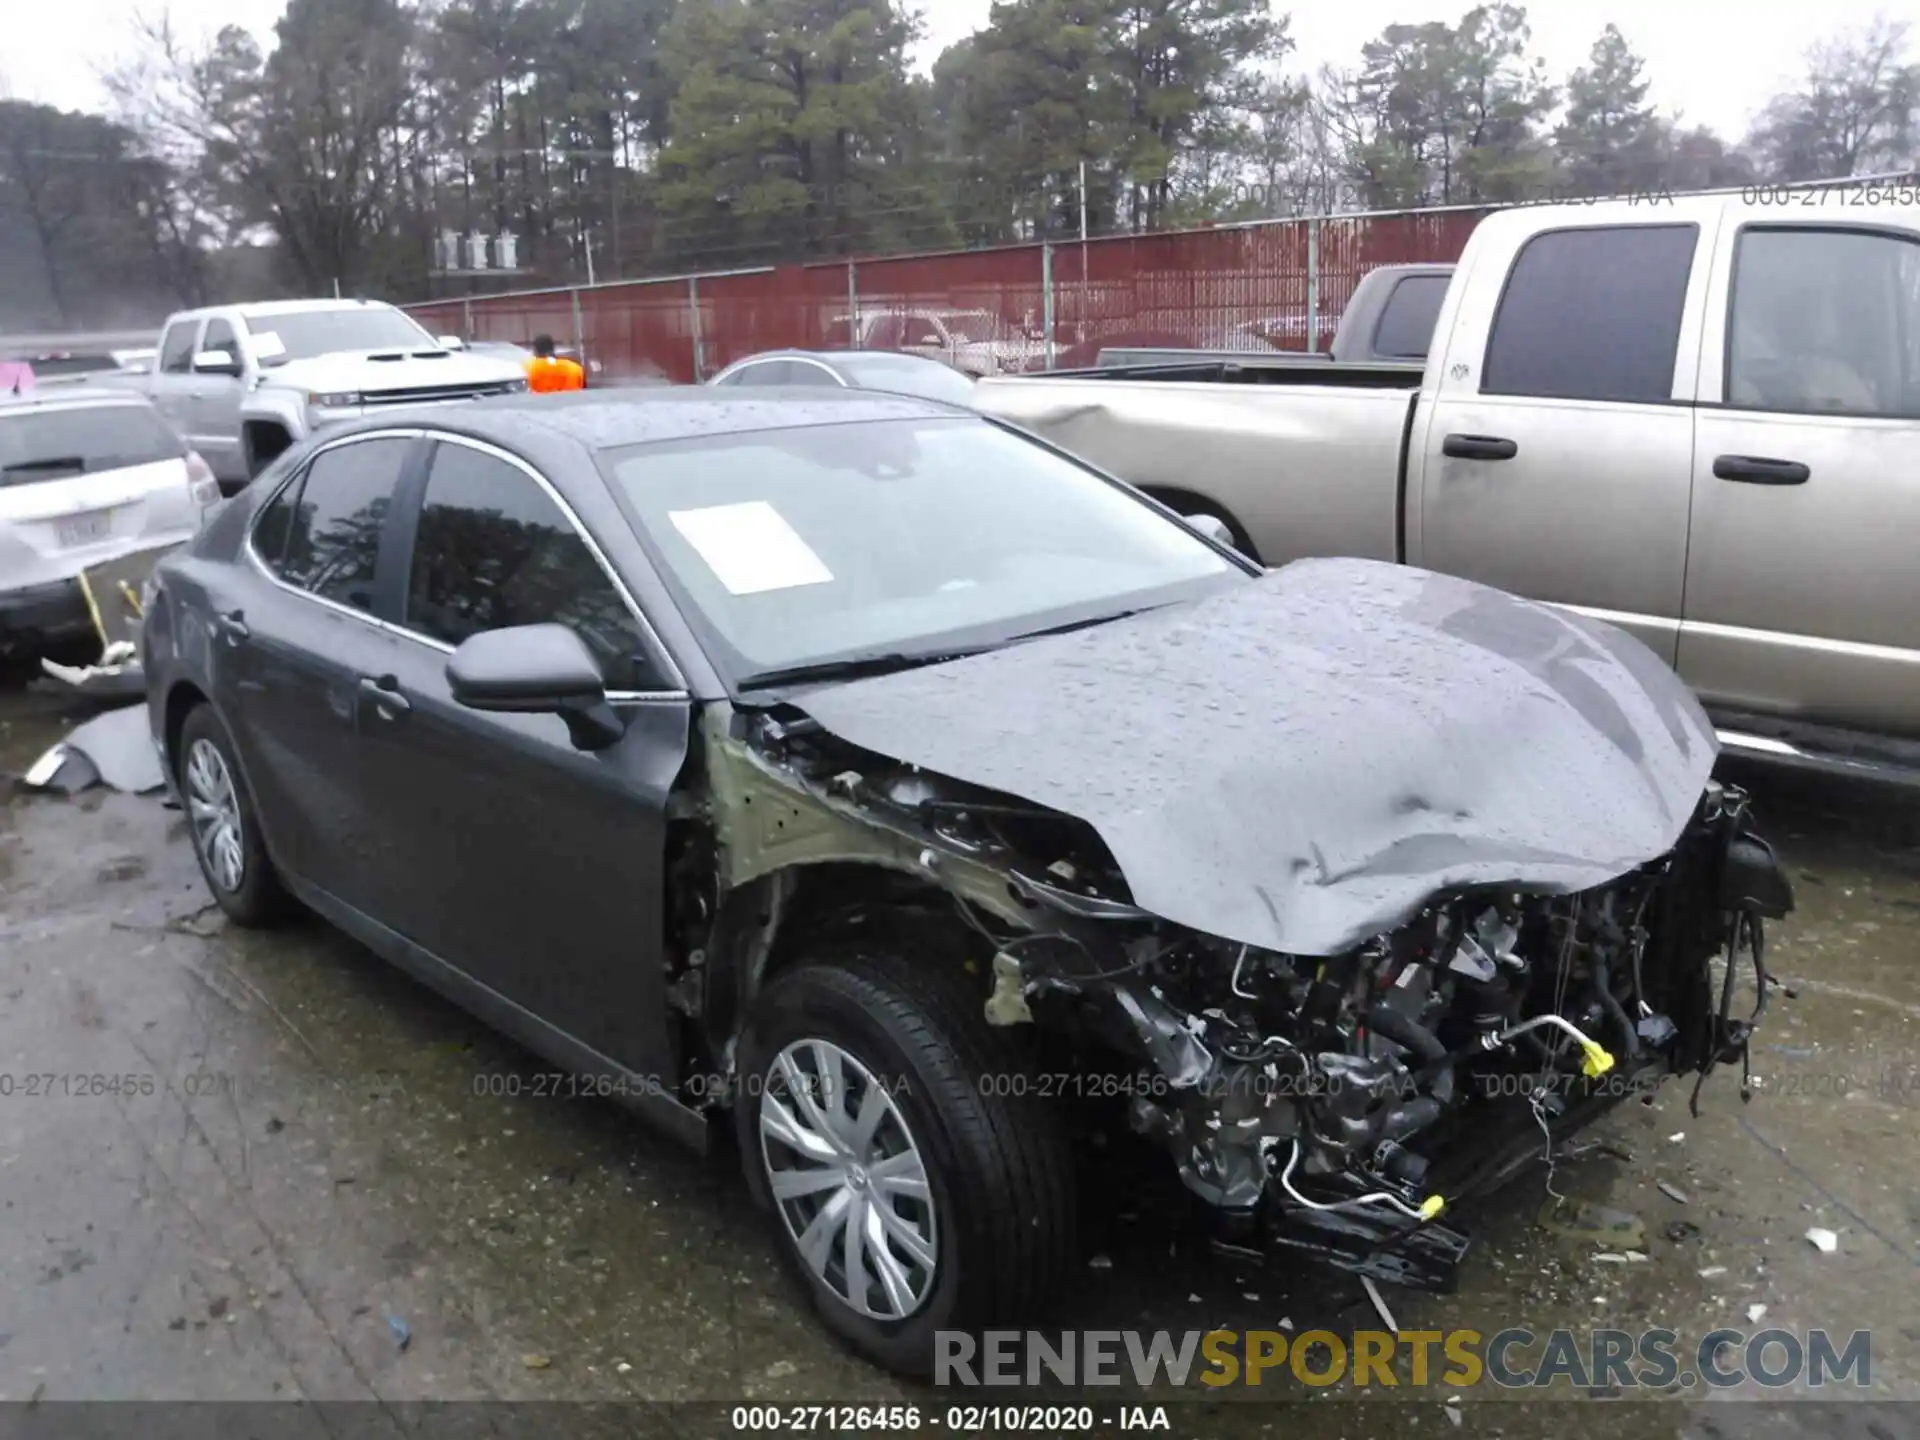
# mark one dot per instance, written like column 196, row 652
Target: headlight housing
column 514, row 387
column 333, row 399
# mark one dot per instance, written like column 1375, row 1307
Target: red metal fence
column 1269, row 285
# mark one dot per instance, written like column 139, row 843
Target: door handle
column 1759, row 470
column 385, row 695
column 233, row 624
column 1478, row 447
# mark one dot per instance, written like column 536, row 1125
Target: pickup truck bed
column 1614, row 420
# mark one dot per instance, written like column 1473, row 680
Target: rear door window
column 1405, row 330
column 57, row 442
column 333, row 536
column 1592, row 314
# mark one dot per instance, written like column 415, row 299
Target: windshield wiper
column 860, row 667
column 55, row 462
column 856, row 667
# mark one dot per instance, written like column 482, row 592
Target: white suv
column 86, row 476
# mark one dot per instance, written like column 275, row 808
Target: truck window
column 219, row 336
column 1592, row 314
column 176, row 350
column 1405, row 328
column 1824, row 322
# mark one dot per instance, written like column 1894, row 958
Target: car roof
column 831, row 357
column 262, row 309
column 615, row 418
column 70, row 397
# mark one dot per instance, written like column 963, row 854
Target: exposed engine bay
column 1331, row 1104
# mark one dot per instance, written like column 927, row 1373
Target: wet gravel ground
column 309, row 1156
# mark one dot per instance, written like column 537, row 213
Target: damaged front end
column 1327, row 1104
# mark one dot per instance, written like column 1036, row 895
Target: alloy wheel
column 849, row 1181
column 213, row 805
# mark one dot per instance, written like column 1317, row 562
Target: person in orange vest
column 548, row 372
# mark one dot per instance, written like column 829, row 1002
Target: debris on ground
column 116, row 748
column 1676, row 1137
column 1708, row 1272
column 1824, row 1240
column 1379, row 1305
column 1682, row 1230
column 1755, row 1313
column 402, row 1333
column 1672, row 1192
column 1579, row 1220
column 536, row 1361
column 1100, row 1262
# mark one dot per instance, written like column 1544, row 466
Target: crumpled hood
column 361, row 370
column 1302, row 762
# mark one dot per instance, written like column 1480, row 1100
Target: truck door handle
column 386, row 696
column 1758, row 470
column 233, row 625
column 1478, row 447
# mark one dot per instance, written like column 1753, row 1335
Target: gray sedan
column 855, row 370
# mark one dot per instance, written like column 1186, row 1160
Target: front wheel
column 912, row 1193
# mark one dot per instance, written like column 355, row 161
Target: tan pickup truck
column 1697, row 418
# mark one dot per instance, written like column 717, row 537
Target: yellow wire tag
column 1598, row 1061
column 1431, row 1206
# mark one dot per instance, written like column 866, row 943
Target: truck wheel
column 225, row 828
column 910, row 1194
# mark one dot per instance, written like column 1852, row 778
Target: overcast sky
column 1715, row 61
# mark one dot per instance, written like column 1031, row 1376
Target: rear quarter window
column 52, row 443
column 1592, row 314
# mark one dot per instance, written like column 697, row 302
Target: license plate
column 84, row 529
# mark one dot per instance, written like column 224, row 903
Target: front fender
column 286, row 408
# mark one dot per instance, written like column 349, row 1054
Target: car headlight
column 514, row 387
column 333, row 400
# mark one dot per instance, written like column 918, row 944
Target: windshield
column 80, row 440
column 976, row 325
column 800, row 546
column 907, row 376
column 308, row 333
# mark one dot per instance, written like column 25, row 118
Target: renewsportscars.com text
column 1456, row 1359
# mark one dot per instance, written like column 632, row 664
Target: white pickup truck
column 1696, row 418
column 243, row 382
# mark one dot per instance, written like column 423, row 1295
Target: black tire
column 999, row 1166
column 259, row 900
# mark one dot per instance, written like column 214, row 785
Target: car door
column 1803, row 599
column 533, row 867
column 293, row 637
column 174, row 382
column 215, row 406
column 1556, row 455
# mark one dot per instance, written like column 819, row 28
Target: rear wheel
column 911, row 1192
column 225, row 829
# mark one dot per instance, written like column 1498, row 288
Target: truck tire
column 224, row 825
column 969, row 1190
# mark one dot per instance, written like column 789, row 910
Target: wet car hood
column 1301, row 762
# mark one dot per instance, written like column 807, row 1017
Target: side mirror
column 215, row 362
column 1214, row 528
column 929, row 340
column 451, row 342
column 536, row 670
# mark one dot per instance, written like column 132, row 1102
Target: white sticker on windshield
column 750, row 547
